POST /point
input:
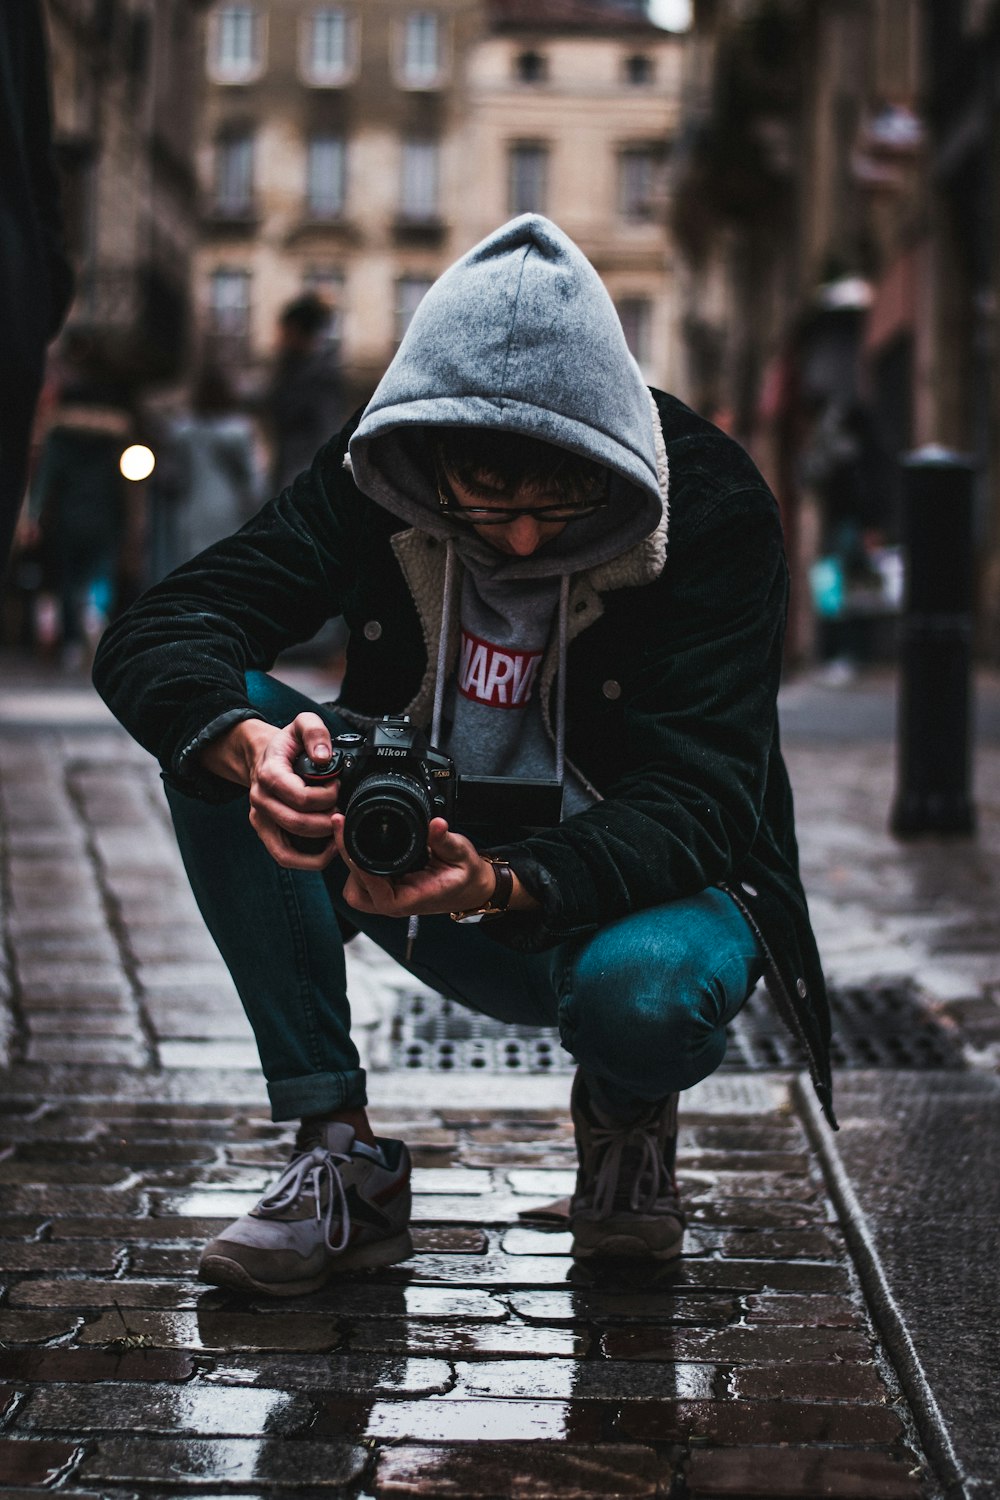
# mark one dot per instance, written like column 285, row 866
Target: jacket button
column 373, row 630
column 751, row 890
column 800, row 985
column 611, row 688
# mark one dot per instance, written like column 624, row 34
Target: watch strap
column 498, row 902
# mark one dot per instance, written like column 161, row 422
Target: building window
column 326, row 176
column 422, row 57
column 234, row 176
column 410, row 292
column 527, row 179
column 639, row 69
column 418, row 195
column 328, row 284
column 640, row 189
column 328, row 46
column 531, row 67
column 229, row 304
column 236, row 44
column 636, row 314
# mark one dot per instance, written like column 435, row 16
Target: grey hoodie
column 521, row 335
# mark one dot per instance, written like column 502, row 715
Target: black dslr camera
column 393, row 782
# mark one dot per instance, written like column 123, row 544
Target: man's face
column 519, row 537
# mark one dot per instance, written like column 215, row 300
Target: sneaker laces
column 634, row 1145
column 308, row 1172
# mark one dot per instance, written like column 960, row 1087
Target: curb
column 885, row 1310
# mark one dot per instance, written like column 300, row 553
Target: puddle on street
column 469, row 1421
column 340, row 1374
column 541, row 1182
column 370, row 1299
column 203, row 1203
column 213, row 1328
column 469, row 1340
column 536, row 1242
column 154, row 1408
column 574, row 1380
column 461, row 1180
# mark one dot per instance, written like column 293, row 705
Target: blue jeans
column 642, row 1004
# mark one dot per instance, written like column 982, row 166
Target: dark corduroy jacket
column 670, row 695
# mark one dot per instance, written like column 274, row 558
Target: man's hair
column 481, row 458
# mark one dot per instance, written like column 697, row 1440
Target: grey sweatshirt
column 520, row 335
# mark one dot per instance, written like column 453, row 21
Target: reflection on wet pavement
column 489, row 1365
column 491, row 1341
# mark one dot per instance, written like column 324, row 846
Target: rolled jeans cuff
column 317, row 1094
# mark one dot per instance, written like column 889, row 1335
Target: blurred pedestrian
column 208, row 476
column 35, row 277
column 303, row 404
column 848, row 472
column 78, row 501
column 303, row 409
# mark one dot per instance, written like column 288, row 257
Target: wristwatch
column 503, row 889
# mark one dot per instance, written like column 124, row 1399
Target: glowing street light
column 137, row 462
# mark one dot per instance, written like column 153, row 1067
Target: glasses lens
column 494, row 516
column 564, row 512
column 503, row 515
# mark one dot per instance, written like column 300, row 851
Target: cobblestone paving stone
column 489, row 1365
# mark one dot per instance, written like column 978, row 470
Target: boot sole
column 219, row 1270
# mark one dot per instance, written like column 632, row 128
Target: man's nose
column 524, row 535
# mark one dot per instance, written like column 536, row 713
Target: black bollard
column 933, row 734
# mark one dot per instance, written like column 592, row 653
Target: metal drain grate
column 880, row 1026
column 438, row 1035
column 874, row 1026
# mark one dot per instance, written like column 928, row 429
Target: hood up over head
column 519, row 335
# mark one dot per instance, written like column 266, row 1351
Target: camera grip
column 314, row 773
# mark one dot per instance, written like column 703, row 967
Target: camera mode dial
column 316, row 772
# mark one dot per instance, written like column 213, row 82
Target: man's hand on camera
column 455, row 878
column 260, row 757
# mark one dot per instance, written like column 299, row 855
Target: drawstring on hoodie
column 447, row 598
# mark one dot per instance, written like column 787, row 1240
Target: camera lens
column 385, row 828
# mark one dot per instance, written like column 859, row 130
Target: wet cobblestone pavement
column 489, row 1365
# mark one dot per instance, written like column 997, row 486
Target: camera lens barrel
column 385, row 826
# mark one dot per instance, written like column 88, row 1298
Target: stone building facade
column 357, row 149
column 327, row 161
column 572, row 110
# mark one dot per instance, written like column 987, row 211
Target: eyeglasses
column 503, row 515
